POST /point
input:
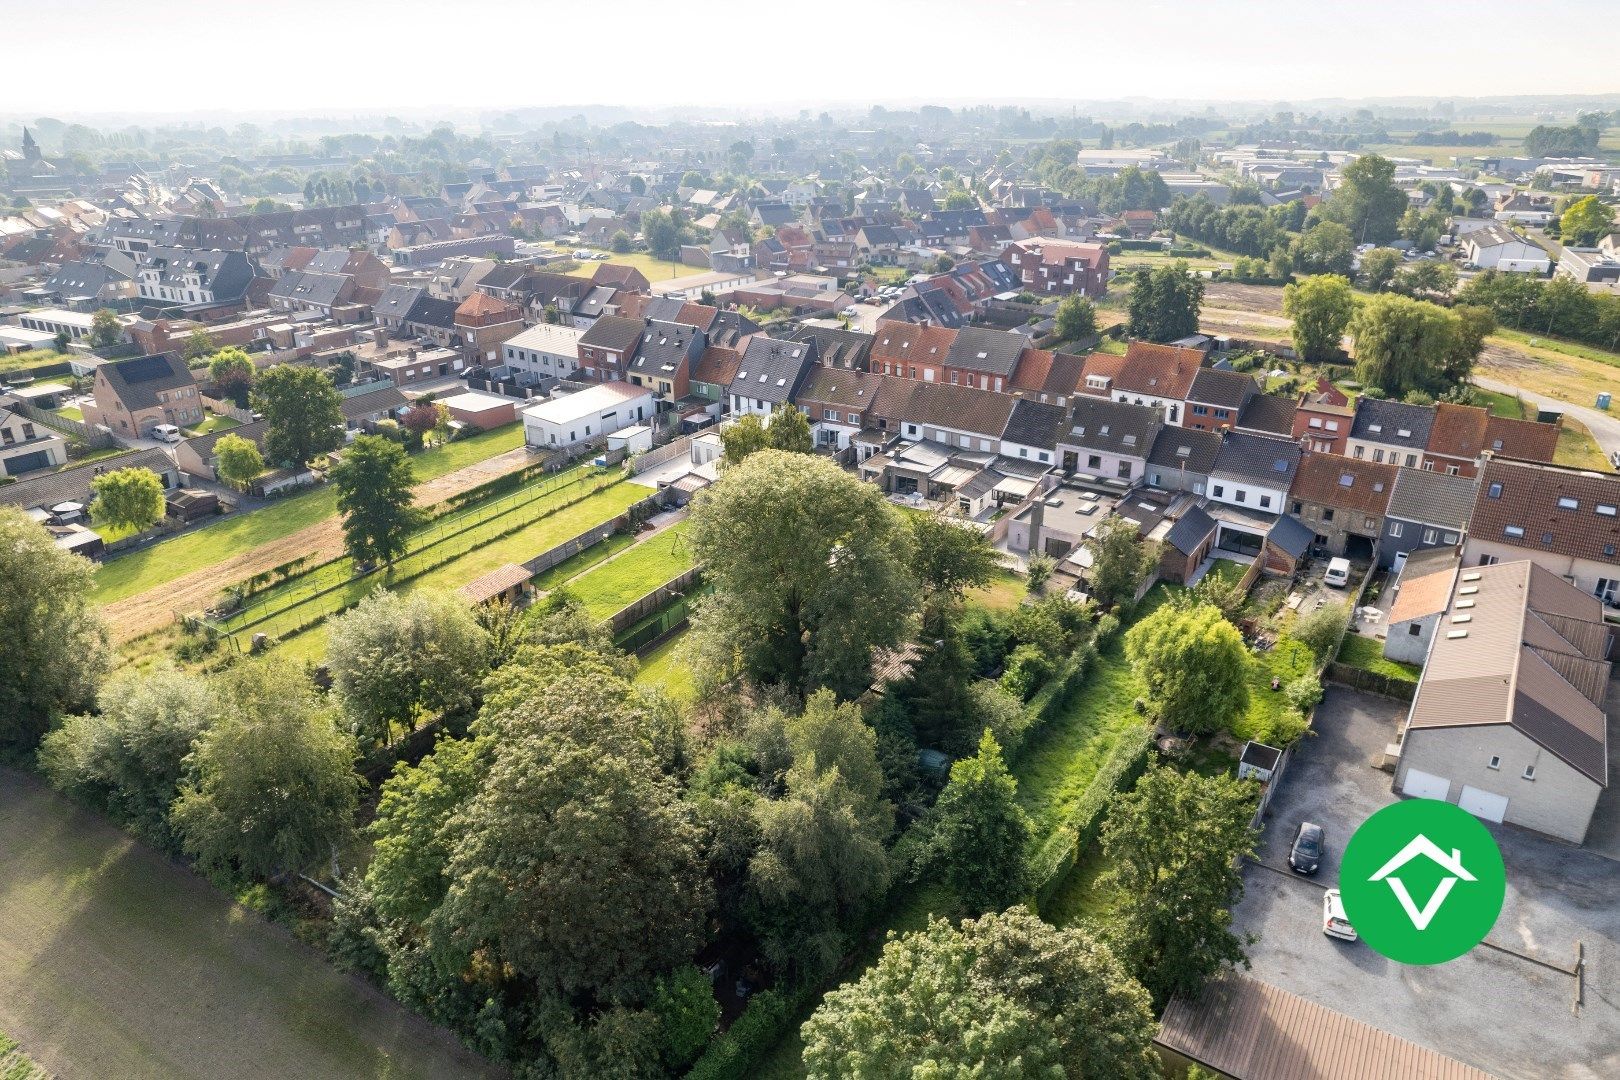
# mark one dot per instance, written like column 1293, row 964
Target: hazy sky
column 162, row 55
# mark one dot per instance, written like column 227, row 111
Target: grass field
column 1577, row 448
column 656, row 269
column 116, row 962
column 70, row 412
column 215, row 422
column 1367, row 653
column 621, row 581
column 663, row 668
column 151, row 566
column 1505, row 405
column 1005, row 592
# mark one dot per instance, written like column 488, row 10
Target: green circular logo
column 1422, row 881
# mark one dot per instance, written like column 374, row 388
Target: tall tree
column 411, row 835
column 821, row 857
column 56, row 646
column 1404, row 344
column 272, row 785
column 1194, row 665
column 104, row 328
column 809, row 567
column 1321, row 307
column 1001, row 996
column 1378, row 268
column 1076, row 318
column 302, row 413
column 949, row 559
column 397, row 656
column 232, row 371
column 576, row 864
column 1120, row 561
column 199, row 346
column 742, row 437
column 129, row 757
column 981, row 831
column 1165, row 302
column 374, row 482
column 1326, row 248
column 129, row 499
column 1367, row 202
column 1173, row 845
column 237, row 460
column 789, row 430
column 1585, row 222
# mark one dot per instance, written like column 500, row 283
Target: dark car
column 1310, row 843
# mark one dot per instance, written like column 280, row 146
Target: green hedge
column 1058, row 855
column 1060, row 689
column 752, row 1037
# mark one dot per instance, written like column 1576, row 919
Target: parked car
column 167, row 433
column 1334, row 921
column 1338, row 573
column 1310, row 844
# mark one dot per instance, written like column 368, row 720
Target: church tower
column 30, row 148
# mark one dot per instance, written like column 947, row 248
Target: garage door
column 1422, row 785
column 1483, row 804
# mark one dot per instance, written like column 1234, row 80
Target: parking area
column 1604, row 835
column 1509, row 1009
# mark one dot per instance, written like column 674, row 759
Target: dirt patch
column 145, row 612
column 1261, row 299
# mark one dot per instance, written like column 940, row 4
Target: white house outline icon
column 1422, row 845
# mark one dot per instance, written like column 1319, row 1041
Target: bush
column 1001, row 711
column 752, row 1036
column 1027, row 668
column 1107, row 627
column 1304, row 692
column 984, row 633
column 687, row 1012
column 1321, row 630
column 1058, row 855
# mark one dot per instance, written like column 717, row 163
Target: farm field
column 119, row 963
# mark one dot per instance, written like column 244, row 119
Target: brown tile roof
column 846, row 389
column 1424, row 587
column 698, row 315
column 1527, row 495
column 1458, row 430
column 717, row 365
column 1500, row 661
column 1243, row 1027
column 961, row 408
column 912, row 341
column 1331, row 480
column 1523, row 439
column 484, row 304
column 1100, row 364
column 1046, row 372
column 1165, row 371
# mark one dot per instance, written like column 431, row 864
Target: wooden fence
column 634, row 612
column 94, row 438
column 1371, row 681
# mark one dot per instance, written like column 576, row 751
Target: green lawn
column 1506, row 405
column 656, row 269
column 1004, row 593
column 1577, row 449
column 575, row 565
column 1228, row 571
column 119, row 962
column 1267, row 707
column 663, row 668
column 622, row 581
column 151, row 566
column 1367, row 653
column 215, row 422
column 70, row 412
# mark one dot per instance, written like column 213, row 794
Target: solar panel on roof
column 144, row 369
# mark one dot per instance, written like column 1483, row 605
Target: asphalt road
column 1494, row 1008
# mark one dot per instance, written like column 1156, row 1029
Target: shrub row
column 742, row 1048
column 1061, row 851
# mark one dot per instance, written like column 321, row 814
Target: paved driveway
column 1497, row 1009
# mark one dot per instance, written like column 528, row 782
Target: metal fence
column 662, row 623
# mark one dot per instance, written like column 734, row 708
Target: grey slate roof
column 664, row 347
column 310, row 287
column 994, row 352
column 73, row 485
column 428, row 311
column 1112, row 426
column 836, row 346
column 1035, row 423
column 1191, row 531
column 138, row 381
column 1186, row 448
column 1269, row 412
column 1383, row 421
column 1433, row 498
column 1260, row 459
column 1223, row 389
column 615, row 333
column 772, row 370
column 397, row 300
column 1292, row 535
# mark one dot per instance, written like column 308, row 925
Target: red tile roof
column 1331, row 480
column 1165, row 371
column 913, row 342
column 1527, row 498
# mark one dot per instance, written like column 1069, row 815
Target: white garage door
column 1483, row 804
column 1422, row 785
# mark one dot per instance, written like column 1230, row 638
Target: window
column 1567, row 503
column 1327, row 514
column 1411, row 461
column 1378, row 455
column 1298, row 507
column 1316, row 421
column 1240, row 495
column 1094, row 461
column 1605, row 510
column 1515, row 531
column 1396, row 528
column 1495, row 762
column 1494, row 491
column 1124, row 470
column 1429, row 535
column 1369, row 523
column 1453, row 470
column 1219, row 491
column 1529, row 772
column 1415, row 629
column 1451, row 538
column 1358, row 452
column 1265, row 501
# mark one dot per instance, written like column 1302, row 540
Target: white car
column 851, row 311
column 1338, row 573
column 167, row 433
column 1334, row 921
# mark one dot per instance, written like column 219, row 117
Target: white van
column 1338, row 573
column 167, row 433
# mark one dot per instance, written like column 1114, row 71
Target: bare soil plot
column 148, row 611
column 118, row 963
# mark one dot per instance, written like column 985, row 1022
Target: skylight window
column 1346, row 480
column 1375, row 428
column 1606, row 510
column 1567, row 503
column 1513, row 530
column 1405, row 433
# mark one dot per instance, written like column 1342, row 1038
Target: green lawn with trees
column 151, row 566
column 632, row 574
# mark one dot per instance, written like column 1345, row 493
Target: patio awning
column 1016, row 486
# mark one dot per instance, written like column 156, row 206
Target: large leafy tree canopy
column 302, row 413
column 1367, row 202
column 1194, row 664
column 810, row 573
column 1165, row 302
column 374, row 482
column 130, row 499
column 1321, row 308
column 1002, row 996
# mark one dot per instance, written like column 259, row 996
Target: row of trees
column 1558, row 305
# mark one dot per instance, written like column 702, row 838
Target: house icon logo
column 1452, row 864
column 1422, row 881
